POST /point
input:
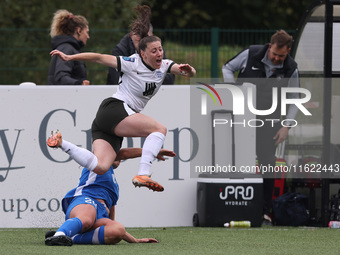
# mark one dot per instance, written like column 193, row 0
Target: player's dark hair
column 141, row 24
column 281, row 38
column 143, row 44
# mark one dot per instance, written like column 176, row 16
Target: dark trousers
column 265, row 151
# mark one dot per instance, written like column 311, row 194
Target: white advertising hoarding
column 34, row 178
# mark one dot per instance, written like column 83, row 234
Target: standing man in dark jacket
column 267, row 66
column 69, row 34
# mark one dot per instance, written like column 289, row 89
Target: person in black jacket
column 129, row 44
column 69, row 34
column 267, row 66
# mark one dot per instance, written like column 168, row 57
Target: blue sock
column 94, row 237
column 71, row 227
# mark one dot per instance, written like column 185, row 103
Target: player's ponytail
column 141, row 24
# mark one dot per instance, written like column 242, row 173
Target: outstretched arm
column 102, row 59
column 163, row 153
column 130, row 239
column 128, row 153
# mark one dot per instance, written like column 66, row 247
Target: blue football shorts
column 78, row 200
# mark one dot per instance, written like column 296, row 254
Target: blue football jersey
column 95, row 186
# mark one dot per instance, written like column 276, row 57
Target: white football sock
column 152, row 145
column 82, row 156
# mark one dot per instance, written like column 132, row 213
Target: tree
column 241, row 14
column 38, row 14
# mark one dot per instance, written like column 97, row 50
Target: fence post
column 214, row 52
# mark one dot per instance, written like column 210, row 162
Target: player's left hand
column 147, row 240
column 164, row 152
column 187, row 70
column 281, row 135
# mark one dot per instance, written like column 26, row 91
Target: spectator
column 69, row 34
column 272, row 63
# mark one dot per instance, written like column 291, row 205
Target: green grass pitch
column 187, row 240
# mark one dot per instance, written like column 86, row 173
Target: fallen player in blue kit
column 90, row 208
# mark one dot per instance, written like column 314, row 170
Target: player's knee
column 114, row 233
column 101, row 169
column 87, row 223
column 103, row 166
column 162, row 129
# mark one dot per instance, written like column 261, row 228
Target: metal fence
column 24, row 52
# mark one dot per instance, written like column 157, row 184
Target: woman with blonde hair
column 69, row 34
